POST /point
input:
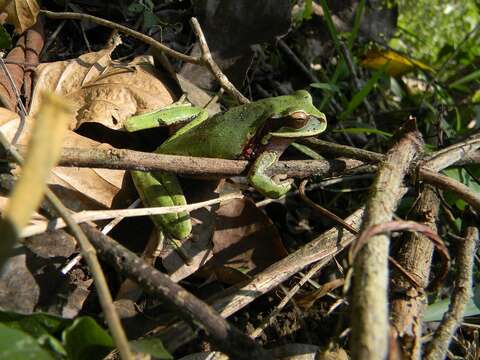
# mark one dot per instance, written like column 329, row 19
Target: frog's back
column 224, row 135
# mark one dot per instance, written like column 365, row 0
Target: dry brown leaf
column 245, row 238
column 21, row 13
column 105, row 91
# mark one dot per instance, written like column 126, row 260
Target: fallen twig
column 205, row 59
column 187, row 165
column 95, row 215
column 446, row 183
column 124, row 29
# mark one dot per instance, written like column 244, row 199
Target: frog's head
column 305, row 119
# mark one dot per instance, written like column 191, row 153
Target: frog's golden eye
column 299, row 115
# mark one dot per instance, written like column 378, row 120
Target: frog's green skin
column 225, row 135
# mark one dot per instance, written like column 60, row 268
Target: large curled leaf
column 85, row 339
column 21, row 13
column 37, row 324
column 17, row 345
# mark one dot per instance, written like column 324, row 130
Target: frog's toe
column 269, row 187
column 179, row 226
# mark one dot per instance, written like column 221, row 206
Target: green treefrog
column 260, row 130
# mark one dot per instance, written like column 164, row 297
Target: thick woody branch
column 186, row 165
column 370, row 326
column 461, row 295
column 228, row 338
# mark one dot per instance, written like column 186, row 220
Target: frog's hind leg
column 162, row 188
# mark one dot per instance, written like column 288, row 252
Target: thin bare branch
column 207, row 60
column 96, row 215
column 126, row 30
column 447, row 183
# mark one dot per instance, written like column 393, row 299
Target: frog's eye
column 299, row 115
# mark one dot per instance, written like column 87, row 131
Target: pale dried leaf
column 21, row 13
column 79, row 188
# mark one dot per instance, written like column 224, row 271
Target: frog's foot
column 269, row 186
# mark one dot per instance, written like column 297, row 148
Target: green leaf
column 467, row 78
column 5, row 39
column 85, row 339
column 362, row 94
column 149, row 19
column 17, row 345
column 461, row 175
column 476, row 96
column 135, row 8
column 326, row 86
column 152, row 346
column 307, row 151
column 367, row 131
column 331, row 27
column 436, row 310
column 356, row 23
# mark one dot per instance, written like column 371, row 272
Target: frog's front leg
column 168, row 116
column 259, row 175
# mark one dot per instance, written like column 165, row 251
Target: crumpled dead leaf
column 105, row 91
column 21, row 13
